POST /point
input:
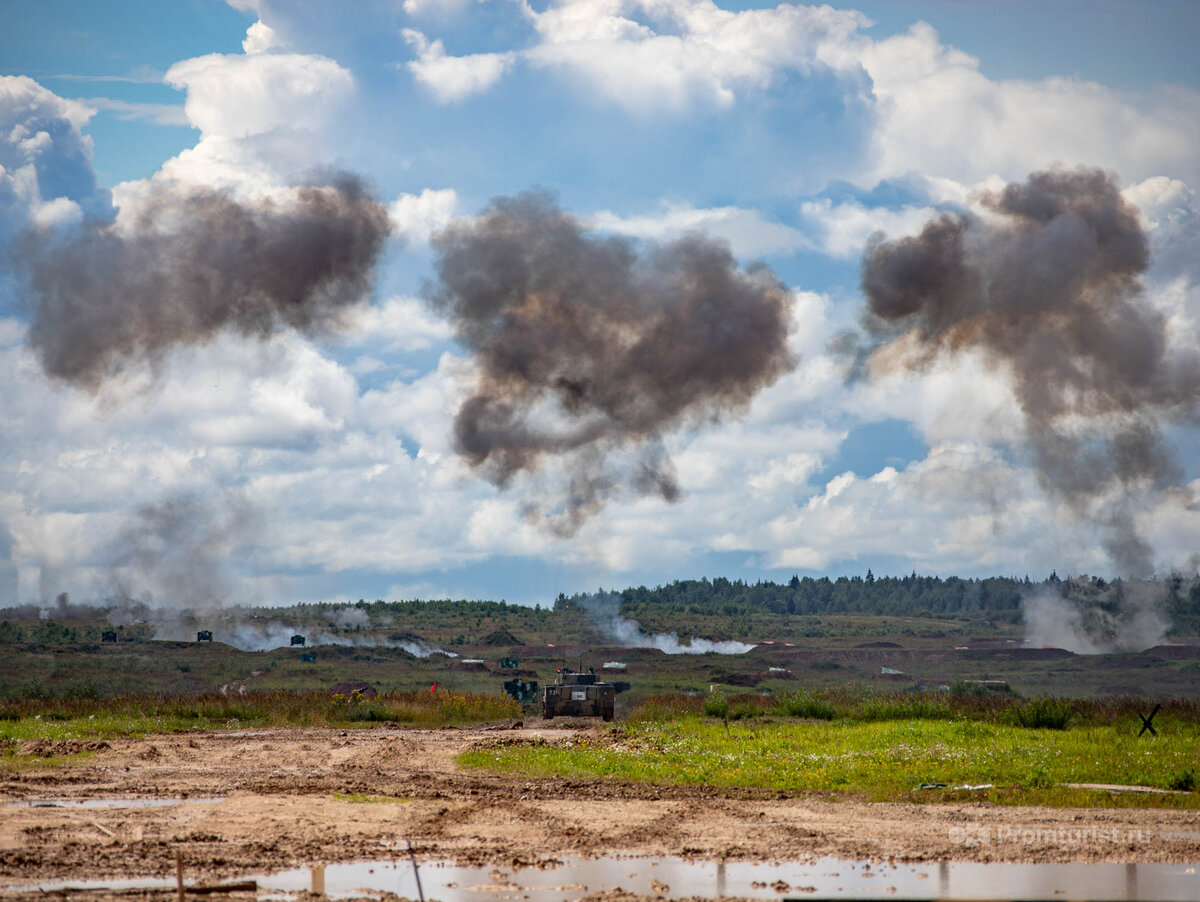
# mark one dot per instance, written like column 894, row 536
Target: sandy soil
column 298, row 797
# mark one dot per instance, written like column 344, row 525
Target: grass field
column 140, row 716
column 881, row 751
column 876, row 746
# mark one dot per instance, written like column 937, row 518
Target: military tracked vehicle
column 575, row 694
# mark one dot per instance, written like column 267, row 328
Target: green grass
column 142, row 715
column 879, row 760
column 13, row 762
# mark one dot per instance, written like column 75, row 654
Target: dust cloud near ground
column 259, row 801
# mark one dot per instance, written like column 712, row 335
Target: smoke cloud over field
column 605, row 611
column 192, row 262
column 235, row 628
column 176, row 553
column 587, row 346
column 250, row 629
column 8, row 567
column 1047, row 281
column 1089, row 619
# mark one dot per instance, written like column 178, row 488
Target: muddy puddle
column 674, row 878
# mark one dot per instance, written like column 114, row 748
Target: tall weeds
column 132, row 715
column 859, row 706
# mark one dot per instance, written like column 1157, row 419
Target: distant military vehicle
column 297, row 639
column 576, row 694
column 204, row 636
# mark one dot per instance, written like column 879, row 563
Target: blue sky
column 791, row 133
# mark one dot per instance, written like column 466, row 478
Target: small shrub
column 1042, row 714
column 806, row 705
column 83, row 689
column 743, row 710
column 966, row 688
column 716, row 705
column 1038, row 779
column 1184, row 781
column 666, row 707
column 904, row 707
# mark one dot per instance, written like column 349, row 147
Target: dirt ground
column 256, row 801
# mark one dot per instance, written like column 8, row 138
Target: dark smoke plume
column 1050, row 286
column 588, row 344
column 194, row 262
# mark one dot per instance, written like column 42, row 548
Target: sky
column 402, row 299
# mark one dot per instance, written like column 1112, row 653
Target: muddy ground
column 258, row 801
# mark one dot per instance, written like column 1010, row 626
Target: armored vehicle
column 578, row 695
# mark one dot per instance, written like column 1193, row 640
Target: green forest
column 719, row 608
column 997, row 599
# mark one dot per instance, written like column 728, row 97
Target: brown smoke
column 194, row 262
column 589, row 344
column 1050, row 286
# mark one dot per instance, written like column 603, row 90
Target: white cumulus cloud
column 46, row 175
column 937, row 113
column 234, row 96
column 648, row 55
column 416, row 216
column 453, row 78
column 844, row 228
column 748, row 233
column 673, row 54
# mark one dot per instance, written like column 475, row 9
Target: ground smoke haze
column 193, row 262
column 1086, row 619
column 605, row 611
column 1047, row 281
column 589, row 345
column 255, row 632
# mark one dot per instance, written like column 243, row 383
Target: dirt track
column 298, row 797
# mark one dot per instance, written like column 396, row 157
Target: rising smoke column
column 177, row 550
column 586, row 345
column 1048, row 283
column 9, row 571
column 604, row 609
column 192, row 262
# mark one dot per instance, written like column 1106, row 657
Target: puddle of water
column 112, row 803
column 674, row 878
